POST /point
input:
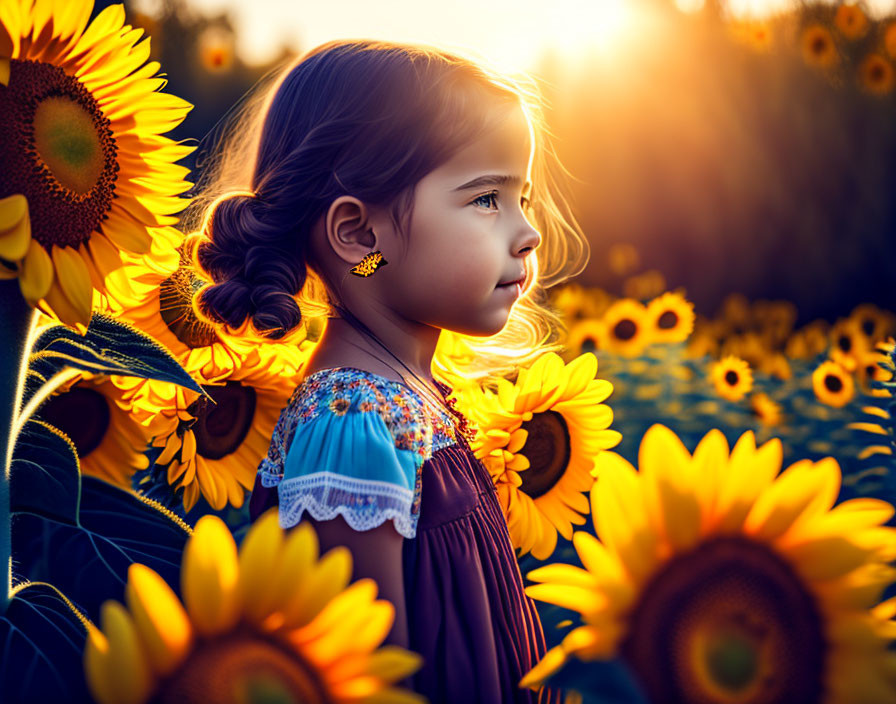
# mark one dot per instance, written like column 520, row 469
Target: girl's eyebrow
column 492, row 180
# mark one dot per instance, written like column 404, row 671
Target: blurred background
column 720, row 147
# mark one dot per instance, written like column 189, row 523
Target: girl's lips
column 515, row 288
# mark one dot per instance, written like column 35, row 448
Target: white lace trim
column 365, row 503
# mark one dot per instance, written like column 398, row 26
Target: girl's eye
column 524, row 202
column 487, row 196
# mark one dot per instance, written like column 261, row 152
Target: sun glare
column 577, row 26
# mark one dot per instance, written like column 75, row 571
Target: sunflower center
column 548, row 450
column 868, row 326
column 243, row 667
column 732, row 658
column 175, row 307
column 57, row 149
column 731, row 377
column 833, row 383
column 668, row 320
column 819, row 45
column 220, row 428
column 729, row 622
column 82, row 413
column 625, row 329
column 844, row 342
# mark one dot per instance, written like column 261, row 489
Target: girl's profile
column 405, row 193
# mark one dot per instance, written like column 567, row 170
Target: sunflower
column 538, row 438
column 765, row 409
column 90, row 410
column 646, row 285
column 718, row 580
column 213, row 447
column 755, row 34
column 848, row 342
column 890, row 39
column 874, row 322
column 833, row 385
column 732, row 378
column 876, row 74
column 818, row 47
column 670, row 317
column 776, row 364
column 702, row 343
column 585, row 335
column 870, row 370
column 271, row 621
column 81, row 145
column 850, row 21
column 625, row 324
column 216, row 49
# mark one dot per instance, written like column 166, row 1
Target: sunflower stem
column 17, row 321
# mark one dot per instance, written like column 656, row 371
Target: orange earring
column 369, row 264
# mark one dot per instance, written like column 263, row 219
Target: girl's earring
column 369, row 264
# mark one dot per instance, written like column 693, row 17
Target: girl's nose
column 528, row 240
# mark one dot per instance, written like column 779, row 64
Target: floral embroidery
column 414, row 425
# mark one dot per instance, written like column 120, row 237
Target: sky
column 509, row 33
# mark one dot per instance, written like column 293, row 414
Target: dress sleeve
column 350, row 451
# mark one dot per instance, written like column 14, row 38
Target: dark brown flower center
column 220, row 428
column 57, row 149
column 844, row 342
column 833, row 383
column 82, row 413
column 869, row 326
column 175, row 306
column 727, row 622
column 731, row 377
column 668, row 320
column 625, row 329
column 548, row 450
column 243, row 666
column 819, row 45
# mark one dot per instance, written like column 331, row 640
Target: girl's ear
column 348, row 229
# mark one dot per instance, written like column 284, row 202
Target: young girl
column 403, row 185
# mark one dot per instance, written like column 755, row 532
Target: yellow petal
column 782, row 503
column 74, row 279
column 126, row 666
column 210, row 575
column 391, row 663
column 161, row 621
column 553, row 660
column 15, row 227
column 37, row 273
column 57, row 305
column 666, row 475
column 126, row 233
column 96, row 658
column 329, row 577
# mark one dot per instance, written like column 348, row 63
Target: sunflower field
column 702, row 504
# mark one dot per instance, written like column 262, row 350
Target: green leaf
column 89, row 561
column 109, row 347
column 42, row 638
column 44, row 474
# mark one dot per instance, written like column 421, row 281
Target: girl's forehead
column 504, row 148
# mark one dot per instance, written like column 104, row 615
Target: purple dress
column 389, row 456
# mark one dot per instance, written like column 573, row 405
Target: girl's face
column 468, row 233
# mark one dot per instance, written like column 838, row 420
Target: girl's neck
column 343, row 346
